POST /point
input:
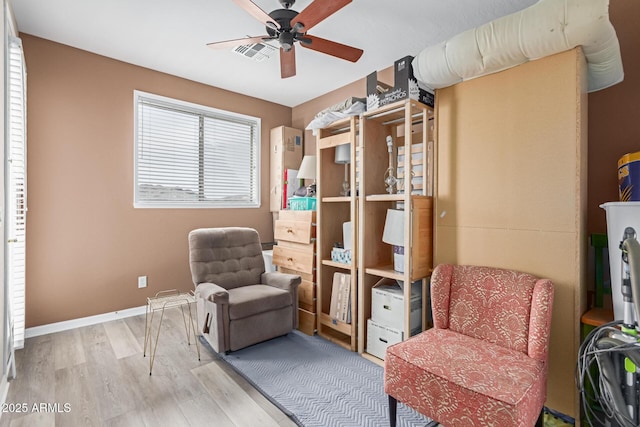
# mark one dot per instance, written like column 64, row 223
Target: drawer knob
column 289, row 230
column 290, row 259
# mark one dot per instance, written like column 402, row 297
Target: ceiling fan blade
column 229, row 44
column 254, row 10
column 329, row 47
column 288, row 62
column 316, row 12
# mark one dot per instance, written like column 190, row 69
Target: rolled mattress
column 545, row 28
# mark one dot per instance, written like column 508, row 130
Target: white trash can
column 268, row 261
column 620, row 215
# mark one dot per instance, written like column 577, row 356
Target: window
column 192, row 156
column 16, row 175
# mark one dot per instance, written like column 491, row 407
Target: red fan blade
column 338, row 50
column 317, row 11
column 287, row 63
column 228, row 44
column 254, row 10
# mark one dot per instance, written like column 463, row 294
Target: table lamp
column 394, row 235
column 343, row 157
column 308, row 171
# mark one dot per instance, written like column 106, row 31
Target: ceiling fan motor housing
column 283, row 17
column 285, row 34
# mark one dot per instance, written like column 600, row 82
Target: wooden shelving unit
column 408, row 122
column 334, row 209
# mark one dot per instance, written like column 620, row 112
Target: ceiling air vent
column 258, row 51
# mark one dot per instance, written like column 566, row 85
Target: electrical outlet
column 142, row 281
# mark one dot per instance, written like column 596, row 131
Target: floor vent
column 258, row 51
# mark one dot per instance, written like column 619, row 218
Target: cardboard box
column 285, row 153
column 405, row 86
column 379, row 337
column 387, row 305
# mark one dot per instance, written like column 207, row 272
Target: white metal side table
column 161, row 301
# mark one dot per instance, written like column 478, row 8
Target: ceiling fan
column 288, row 26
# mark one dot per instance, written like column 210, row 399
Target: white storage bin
column 379, row 337
column 620, row 215
column 387, row 305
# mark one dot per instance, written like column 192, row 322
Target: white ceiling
column 171, row 36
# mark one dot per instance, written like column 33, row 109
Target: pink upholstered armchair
column 484, row 363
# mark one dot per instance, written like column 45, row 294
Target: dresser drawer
column 309, row 277
column 294, row 231
column 294, row 256
column 307, row 296
column 306, row 321
column 304, row 216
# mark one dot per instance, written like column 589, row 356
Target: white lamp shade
column 307, row 168
column 343, row 154
column 394, row 228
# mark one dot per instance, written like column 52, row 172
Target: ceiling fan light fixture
column 286, row 40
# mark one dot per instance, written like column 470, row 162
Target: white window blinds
column 188, row 155
column 16, row 188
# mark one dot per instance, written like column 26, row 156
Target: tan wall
column 614, row 116
column 86, row 244
column 511, row 188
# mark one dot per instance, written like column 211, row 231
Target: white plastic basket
column 620, row 215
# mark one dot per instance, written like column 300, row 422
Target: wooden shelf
column 385, row 198
column 336, row 338
column 337, row 332
column 342, row 265
column 392, row 197
column 339, row 126
column 336, row 199
column 334, row 210
column 334, row 140
column 409, row 124
column 336, row 325
column 385, row 271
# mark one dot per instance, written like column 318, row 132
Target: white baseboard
column 84, row 321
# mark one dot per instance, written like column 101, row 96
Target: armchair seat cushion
column 456, row 379
column 250, row 300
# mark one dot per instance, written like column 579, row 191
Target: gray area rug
column 319, row 384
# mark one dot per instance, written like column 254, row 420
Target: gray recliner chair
column 238, row 303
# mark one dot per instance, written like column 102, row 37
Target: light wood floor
column 97, row 376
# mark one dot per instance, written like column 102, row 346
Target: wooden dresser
column 295, row 232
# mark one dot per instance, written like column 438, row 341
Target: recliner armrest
column 212, row 292
column 288, row 282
